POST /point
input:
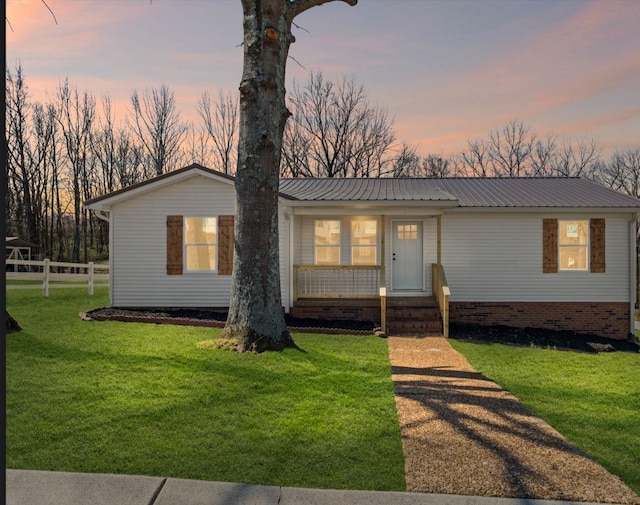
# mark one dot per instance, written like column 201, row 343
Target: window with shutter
column 573, row 245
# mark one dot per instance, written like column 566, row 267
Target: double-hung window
column 327, row 242
column 364, row 239
column 201, row 243
column 573, row 245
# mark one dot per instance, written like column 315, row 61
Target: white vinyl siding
column 498, row 256
column 139, row 247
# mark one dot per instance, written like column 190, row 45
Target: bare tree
column 220, row 121
column 405, row 162
column 515, row 151
column 256, row 320
column 31, row 162
column 578, row 159
column 103, row 147
column 543, row 157
column 344, row 134
column 21, row 168
column 510, row 150
column 476, row 159
column 436, row 166
column 296, row 146
column 76, row 117
column 158, row 127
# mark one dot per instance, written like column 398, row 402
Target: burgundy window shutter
column 597, row 246
column 225, row 245
column 174, row 245
column 549, row 246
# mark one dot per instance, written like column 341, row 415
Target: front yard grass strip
column 593, row 400
column 129, row 398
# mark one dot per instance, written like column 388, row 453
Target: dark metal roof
column 459, row 191
column 467, row 192
column 351, row 190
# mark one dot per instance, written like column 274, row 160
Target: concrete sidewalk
column 31, row 487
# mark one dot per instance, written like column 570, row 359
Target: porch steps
column 415, row 316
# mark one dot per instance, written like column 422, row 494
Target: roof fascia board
column 544, row 210
column 434, row 204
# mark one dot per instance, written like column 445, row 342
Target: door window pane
column 408, row 231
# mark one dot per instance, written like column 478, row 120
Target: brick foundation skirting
column 335, row 311
column 606, row 319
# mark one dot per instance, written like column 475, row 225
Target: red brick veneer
column 338, row 310
column 607, row 319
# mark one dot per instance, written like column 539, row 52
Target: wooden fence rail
column 65, row 272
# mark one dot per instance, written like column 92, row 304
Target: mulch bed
column 527, row 337
column 536, row 337
column 217, row 318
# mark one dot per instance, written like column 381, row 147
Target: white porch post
column 439, row 228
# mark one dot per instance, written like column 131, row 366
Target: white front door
column 406, row 255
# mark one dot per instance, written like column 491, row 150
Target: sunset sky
column 445, row 70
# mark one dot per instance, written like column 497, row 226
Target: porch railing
column 315, row 281
column 442, row 293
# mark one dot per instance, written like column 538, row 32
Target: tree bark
column 256, row 317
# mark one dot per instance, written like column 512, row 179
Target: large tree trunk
column 256, row 318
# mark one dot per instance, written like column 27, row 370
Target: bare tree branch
column 296, row 7
column 49, row 9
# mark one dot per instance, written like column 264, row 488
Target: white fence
column 49, row 271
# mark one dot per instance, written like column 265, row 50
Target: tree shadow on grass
column 481, row 419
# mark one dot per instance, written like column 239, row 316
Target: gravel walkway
column 463, row 434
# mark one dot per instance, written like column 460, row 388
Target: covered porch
column 375, row 255
column 358, row 293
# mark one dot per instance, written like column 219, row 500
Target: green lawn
column 593, row 400
column 129, row 398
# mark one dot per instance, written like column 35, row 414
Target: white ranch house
column 544, row 252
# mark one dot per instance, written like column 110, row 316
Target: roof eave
column 374, row 203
